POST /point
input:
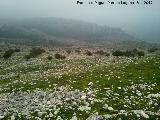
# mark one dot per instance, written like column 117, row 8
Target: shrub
column 129, row 54
column 27, row 57
column 59, row 56
column 89, row 53
column 49, row 57
column 77, row 51
column 152, row 50
column 107, row 54
column 17, row 50
column 141, row 53
column 36, row 51
column 8, row 53
column 68, row 51
column 135, row 52
column 100, row 52
column 117, row 53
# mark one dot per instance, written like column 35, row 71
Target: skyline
column 141, row 21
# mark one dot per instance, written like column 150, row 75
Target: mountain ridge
column 62, row 29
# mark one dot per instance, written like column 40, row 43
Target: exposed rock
column 1, row 117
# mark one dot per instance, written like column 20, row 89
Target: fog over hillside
column 49, row 28
column 140, row 21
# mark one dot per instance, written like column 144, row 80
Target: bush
column 140, row 53
column 100, row 52
column 17, row 50
column 152, row 50
column 27, row 57
column 77, row 51
column 8, row 53
column 107, row 54
column 68, row 51
column 117, row 53
column 49, row 57
column 34, row 53
column 59, row 56
column 89, row 53
column 131, row 53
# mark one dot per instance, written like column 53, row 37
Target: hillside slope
column 61, row 30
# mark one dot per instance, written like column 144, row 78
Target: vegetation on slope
column 126, row 84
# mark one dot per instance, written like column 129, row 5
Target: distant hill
column 59, row 31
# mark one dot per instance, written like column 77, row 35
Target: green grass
column 103, row 75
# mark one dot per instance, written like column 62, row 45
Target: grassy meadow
column 79, row 87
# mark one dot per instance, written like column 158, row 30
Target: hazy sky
column 140, row 20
